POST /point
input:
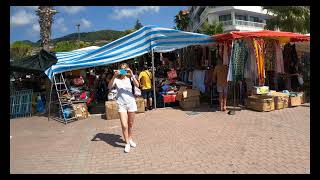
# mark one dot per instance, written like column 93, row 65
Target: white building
column 233, row 18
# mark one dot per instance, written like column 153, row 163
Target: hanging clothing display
column 270, row 56
column 289, row 56
column 259, row 50
column 279, row 57
column 239, row 58
column 229, row 77
column 305, row 60
column 198, row 80
column 251, row 64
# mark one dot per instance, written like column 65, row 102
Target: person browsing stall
column 220, row 74
column 126, row 101
column 145, row 78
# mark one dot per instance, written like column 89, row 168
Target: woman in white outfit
column 126, row 101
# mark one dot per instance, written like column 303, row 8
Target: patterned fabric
column 239, row 57
column 270, row 55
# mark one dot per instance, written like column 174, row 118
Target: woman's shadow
column 111, row 139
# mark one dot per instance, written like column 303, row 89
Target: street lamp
column 78, row 26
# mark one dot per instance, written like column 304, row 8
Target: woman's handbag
column 135, row 90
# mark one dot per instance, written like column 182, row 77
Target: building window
column 241, row 17
column 255, row 19
column 225, row 17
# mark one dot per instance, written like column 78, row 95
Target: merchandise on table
column 294, row 101
column 81, row 110
column 260, row 89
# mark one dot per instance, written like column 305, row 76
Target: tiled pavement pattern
column 168, row 141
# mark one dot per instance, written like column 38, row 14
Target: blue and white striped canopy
column 130, row 46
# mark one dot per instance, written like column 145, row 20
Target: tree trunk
column 45, row 14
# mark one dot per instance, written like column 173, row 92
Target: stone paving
column 168, row 141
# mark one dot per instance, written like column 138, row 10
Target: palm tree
column 289, row 18
column 45, row 14
column 211, row 29
column 138, row 25
column 182, row 20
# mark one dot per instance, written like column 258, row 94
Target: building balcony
column 226, row 23
column 250, row 23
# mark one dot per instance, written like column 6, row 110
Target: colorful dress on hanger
column 259, row 50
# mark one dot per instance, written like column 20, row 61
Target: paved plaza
column 168, row 140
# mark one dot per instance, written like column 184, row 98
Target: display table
column 168, row 99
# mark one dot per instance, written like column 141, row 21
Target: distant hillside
column 99, row 37
column 103, row 35
column 33, row 44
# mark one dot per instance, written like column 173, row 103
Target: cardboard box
column 295, row 101
column 190, row 103
column 186, row 93
column 303, row 97
column 140, row 105
column 281, row 100
column 260, row 103
column 81, row 110
column 112, row 108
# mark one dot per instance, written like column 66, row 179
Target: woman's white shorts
column 131, row 107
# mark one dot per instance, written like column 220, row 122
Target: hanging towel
column 230, row 70
column 279, row 57
column 225, row 54
column 190, row 76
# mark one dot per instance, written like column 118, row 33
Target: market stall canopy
column 283, row 37
column 36, row 64
column 130, row 46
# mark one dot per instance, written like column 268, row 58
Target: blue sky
column 24, row 22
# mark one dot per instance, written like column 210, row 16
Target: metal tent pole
column 153, row 79
column 233, row 112
column 50, row 101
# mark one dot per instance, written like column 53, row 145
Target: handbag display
column 78, row 81
column 172, row 74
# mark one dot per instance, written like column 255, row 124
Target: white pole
column 154, row 84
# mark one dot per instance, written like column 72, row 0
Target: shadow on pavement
column 111, row 139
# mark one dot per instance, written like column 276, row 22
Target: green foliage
column 129, row 31
column 289, row 18
column 20, row 49
column 138, row 25
column 211, row 29
column 70, row 45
